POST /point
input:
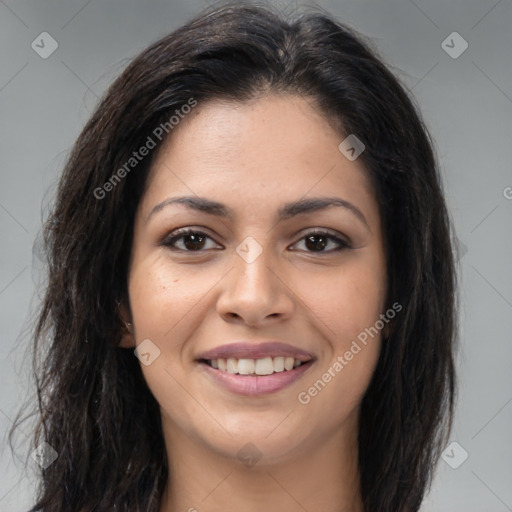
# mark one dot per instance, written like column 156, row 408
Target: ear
column 127, row 331
column 387, row 330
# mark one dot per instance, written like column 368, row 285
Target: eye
column 193, row 240
column 317, row 241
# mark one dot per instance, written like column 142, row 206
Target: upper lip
column 252, row 350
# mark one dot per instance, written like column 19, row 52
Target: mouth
column 249, row 369
column 254, row 367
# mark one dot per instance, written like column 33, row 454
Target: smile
column 253, row 383
column 263, row 366
column 252, row 369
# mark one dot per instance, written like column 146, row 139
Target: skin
column 254, row 157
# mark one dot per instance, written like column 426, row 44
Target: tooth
column 288, row 363
column 264, row 366
column 245, row 366
column 232, row 365
column 278, row 364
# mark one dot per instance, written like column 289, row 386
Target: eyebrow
column 287, row 211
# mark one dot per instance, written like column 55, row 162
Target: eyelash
column 182, row 232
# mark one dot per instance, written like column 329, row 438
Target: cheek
column 358, row 306
column 164, row 300
column 344, row 301
column 162, row 296
column 349, row 303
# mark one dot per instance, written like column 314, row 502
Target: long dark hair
column 94, row 407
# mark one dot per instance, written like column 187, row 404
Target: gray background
column 466, row 103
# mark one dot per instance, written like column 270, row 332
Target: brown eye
column 317, row 241
column 191, row 240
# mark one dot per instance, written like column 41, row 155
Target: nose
column 255, row 292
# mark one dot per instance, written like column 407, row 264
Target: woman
column 251, row 296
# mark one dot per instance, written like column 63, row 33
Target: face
column 255, row 273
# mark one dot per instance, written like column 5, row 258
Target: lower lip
column 261, row 385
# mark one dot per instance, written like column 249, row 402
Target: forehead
column 247, row 153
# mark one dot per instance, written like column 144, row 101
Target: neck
column 323, row 476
